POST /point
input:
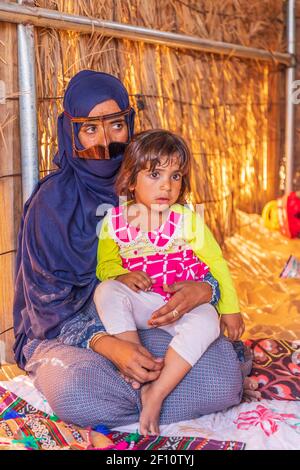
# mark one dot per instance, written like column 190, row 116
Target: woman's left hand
column 186, row 296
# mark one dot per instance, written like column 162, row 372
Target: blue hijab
column 57, row 242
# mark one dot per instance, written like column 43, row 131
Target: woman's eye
column 91, row 129
column 118, row 126
column 177, row 177
column 154, row 174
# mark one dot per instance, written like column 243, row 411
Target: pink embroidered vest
column 164, row 268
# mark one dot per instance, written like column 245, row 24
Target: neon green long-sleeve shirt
column 195, row 233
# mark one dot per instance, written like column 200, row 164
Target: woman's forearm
column 131, row 359
column 205, row 293
column 105, row 346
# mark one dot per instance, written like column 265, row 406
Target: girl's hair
column 157, row 147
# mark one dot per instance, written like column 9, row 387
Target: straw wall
column 10, row 180
column 228, row 109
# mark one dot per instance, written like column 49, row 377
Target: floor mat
column 256, row 256
column 175, row 442
column 276, row 367
column 268, row 424
column 23, row 426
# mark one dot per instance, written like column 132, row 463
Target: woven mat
column 175, row 443
column 24, row 427
column 276, row 367
column 256, row 256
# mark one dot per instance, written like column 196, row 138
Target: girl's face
column 160, row 188
column 103, row 132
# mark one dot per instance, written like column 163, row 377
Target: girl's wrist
column 215, row 295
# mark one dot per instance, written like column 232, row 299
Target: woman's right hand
column 132, row 360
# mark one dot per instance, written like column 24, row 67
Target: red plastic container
column 289, row 215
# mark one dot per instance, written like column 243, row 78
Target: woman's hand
column 187, row 295
column 136, row 280
column 132, row 360
column 234, row 324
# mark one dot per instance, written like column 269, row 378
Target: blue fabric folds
column 57, row 242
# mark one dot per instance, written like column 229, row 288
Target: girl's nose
column 166, row 185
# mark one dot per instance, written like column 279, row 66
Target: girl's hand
column 187, row 295
column 234, row 324
column 132, row 360
column 136, row 280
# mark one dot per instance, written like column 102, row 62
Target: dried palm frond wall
column 229, row 110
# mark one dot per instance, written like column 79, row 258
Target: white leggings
column 121, row 309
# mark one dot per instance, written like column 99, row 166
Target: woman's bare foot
column 250, row 392
column 151, row 406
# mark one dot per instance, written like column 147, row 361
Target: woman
column 56, row 325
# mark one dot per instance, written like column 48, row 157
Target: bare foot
column 134, row 383
column 151, row 406
column 250, row 392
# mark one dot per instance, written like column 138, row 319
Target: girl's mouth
column 162, row 199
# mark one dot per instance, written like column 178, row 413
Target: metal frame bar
column 27, row 110
column 290, row 110
column 46, row 18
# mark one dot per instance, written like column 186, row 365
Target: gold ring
column 175, row 313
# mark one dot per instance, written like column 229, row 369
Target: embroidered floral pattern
column 268, row 420
column 126, row 234
column 276, row 367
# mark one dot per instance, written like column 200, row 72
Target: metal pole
column 42, row 17
column 290, row 110
column 28, row 109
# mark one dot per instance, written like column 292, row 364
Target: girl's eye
column 177, row 177
column 154, row 174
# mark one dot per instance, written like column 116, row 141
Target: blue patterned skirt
column 86, row 389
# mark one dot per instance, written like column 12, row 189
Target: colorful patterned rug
column 175, row 442
column 276, row 367
column 24, row 427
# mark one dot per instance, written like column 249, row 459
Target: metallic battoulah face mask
column 111, row 129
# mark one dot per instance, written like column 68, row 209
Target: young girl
column 151, row 243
